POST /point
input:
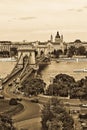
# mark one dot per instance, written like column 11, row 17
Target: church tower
column 59, row 42
column 61, row 38
column 57, row 38
column 51, row 38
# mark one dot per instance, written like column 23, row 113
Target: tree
column 5, row 53
column 13, row 101
column 13, row 51
column 65, row 51
column 71, row 51
column 64, row 85
column 6, row 123
column 81, row 50
column 57, row 53
column 34, row 86
column 55, row 117
column 61, row 85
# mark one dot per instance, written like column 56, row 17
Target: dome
column 57, row 35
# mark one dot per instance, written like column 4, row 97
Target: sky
column 33, row 20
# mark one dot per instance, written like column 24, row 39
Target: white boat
column 84, row 105
column 80, row 70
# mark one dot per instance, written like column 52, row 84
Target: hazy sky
column 37, row 19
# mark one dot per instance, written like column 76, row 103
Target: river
column 50, row 70
column 6, row 68
column 63, row 67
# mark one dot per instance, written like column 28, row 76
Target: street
column 28, row 118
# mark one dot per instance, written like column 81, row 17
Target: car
column 35, row 100
column 1, row 96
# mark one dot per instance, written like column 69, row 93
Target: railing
column 16, row 66
column 15, row 71
column 8, row 77
column 24, row 69
column 26, row 74
column 41, row 59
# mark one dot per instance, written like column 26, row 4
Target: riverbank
column 73, row 59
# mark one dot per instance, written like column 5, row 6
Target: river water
column 6, row 68
column 50, row 70
column 63, row 67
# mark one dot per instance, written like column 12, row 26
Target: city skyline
column 37, row 19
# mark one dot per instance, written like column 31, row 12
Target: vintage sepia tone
column 43, row 65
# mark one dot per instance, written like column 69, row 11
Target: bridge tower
column 26, row 55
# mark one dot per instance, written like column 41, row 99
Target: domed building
column 50, row 45
column 57, row 38
column 57, row 44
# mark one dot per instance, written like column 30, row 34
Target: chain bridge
column 26, row 64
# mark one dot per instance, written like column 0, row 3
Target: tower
column 57, row 38
column 26, row 55
column 61, row 38
column 51, row 38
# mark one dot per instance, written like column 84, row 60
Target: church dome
column 57, row 35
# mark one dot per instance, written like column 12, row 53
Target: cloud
column 79, row 10
column 76, row 10
column 85, row 7
column 71, row 9
column 27, row 18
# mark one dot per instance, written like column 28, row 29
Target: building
column 41, row 47
column 5, row 45
column 77, row 43
column 50, row 45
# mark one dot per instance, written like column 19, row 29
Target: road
column 31, row 124
column 30, row 117
column 31, row 110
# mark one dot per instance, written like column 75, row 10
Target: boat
column 80, row 70
column 84, row 105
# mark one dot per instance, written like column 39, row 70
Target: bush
column 13, row 101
